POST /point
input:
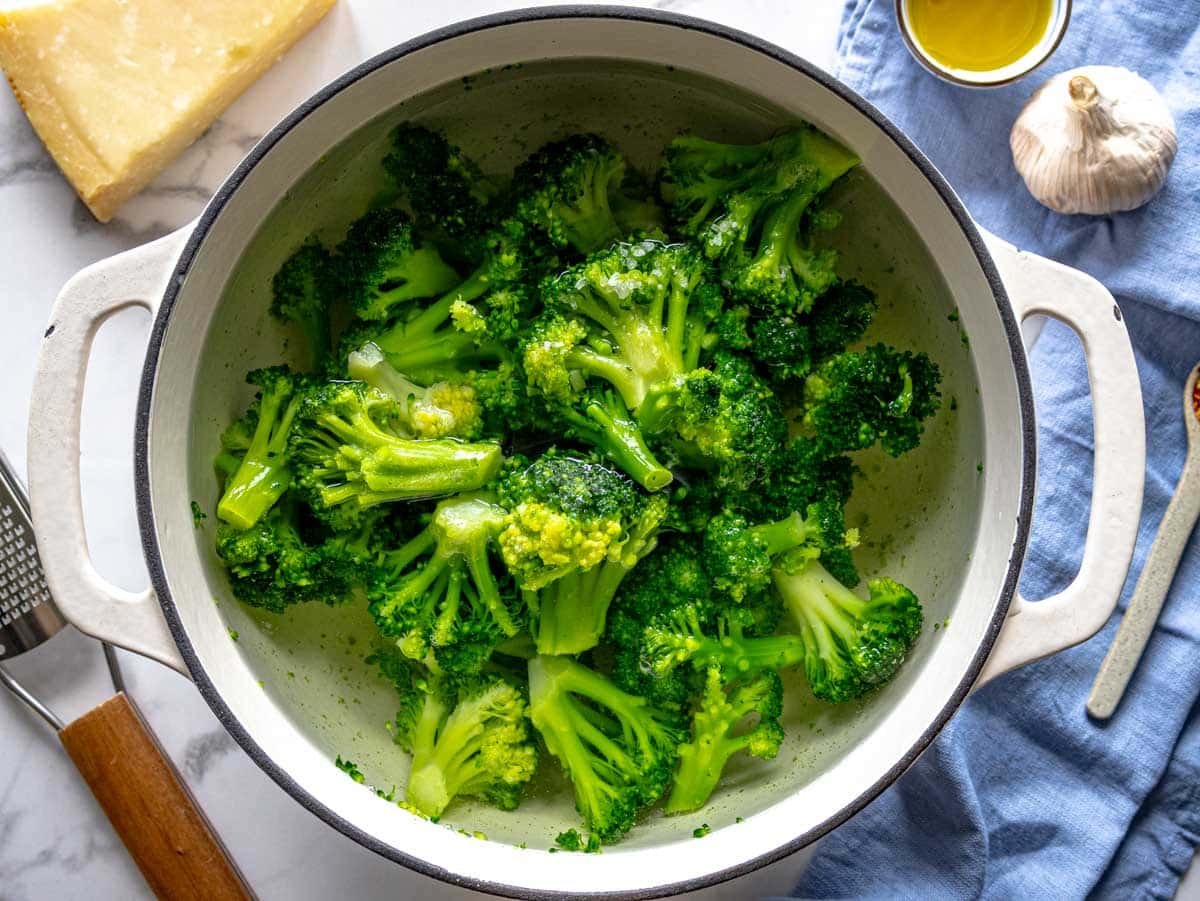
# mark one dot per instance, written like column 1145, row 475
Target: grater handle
column 127, row 619
column 149, row 806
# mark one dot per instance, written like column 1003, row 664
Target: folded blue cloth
column 1023, row 796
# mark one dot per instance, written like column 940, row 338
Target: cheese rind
column 116, row 89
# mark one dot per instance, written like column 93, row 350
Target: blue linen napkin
column 1023, row 796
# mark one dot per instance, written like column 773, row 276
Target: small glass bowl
column 1060, row 15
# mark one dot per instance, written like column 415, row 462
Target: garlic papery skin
column 1097, row 139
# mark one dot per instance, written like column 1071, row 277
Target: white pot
column 952, row 530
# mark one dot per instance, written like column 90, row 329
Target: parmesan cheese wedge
column 116, row 89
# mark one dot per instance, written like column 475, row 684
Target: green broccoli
column 851, row 645
column 566, row 188
column 881, row 394
column 569, row 614
column 441, row 410
column 302, row 292
column 385, row 268
column 746, row 206
column 674, row 578
column 631, row 319
column 469, row 740
column 617, row 750
column 574, row 529
column 447, row 192
column 728, row 421
column 594, row 415
column 789, row 346
column 624, row 315
column 731, row 716
column 263, row 472
column 472, row 323
column 685, row 635
column 566, row 514
column 349, row 455
column 739, row 557
column 441, row 591
column 273, row 564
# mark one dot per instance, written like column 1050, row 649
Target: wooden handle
column 149, row 806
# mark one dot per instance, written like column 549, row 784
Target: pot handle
column 129, row 620
column 1035, row 629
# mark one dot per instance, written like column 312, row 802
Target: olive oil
column 978, row 35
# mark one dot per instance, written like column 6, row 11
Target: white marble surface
column 54, row 841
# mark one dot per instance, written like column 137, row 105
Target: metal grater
column 27, row 613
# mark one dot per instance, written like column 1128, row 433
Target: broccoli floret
column 851, row 645
column 789, row 346
column 273, row 565
column 386, row 268
column 730, row 422
column 498, row 296
column 805, row 474
column 440, row 410
column 839, row 318
column 671, row 579
column 877, row 395
column 632, row 319
column 470, row 740
column 566, row 188
column 617, row 750
column 302, row 292
column 349, row 455
column 568, row 615
column 263, row 472
column 625, row 315
column 566, row 514
column 469, row 325
column 746, row 204
column 601, row 419
column 731, row 716
column 740, row 556
column 446, row 190
column 440, row 591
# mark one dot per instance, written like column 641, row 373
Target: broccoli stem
column 703, row 759
column 572, row 610
column 407, row 469
column 263, row 474
column 820, row 605
column 563, row 723
column 429, row 467
column 738, row 654
column 421, row 273
column 607, row 426
column 446, row 761
column 779, row 232
column 777, row 537
column 427, row 347
column 480, row 569
column 645, row 356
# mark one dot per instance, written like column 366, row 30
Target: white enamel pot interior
column 949, row 519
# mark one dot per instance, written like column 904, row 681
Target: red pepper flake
column 1196, row 397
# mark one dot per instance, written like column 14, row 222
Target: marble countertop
column 54, row 840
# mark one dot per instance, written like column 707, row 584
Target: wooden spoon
column 1151, row 590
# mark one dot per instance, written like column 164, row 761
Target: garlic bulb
column 1096, row 139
